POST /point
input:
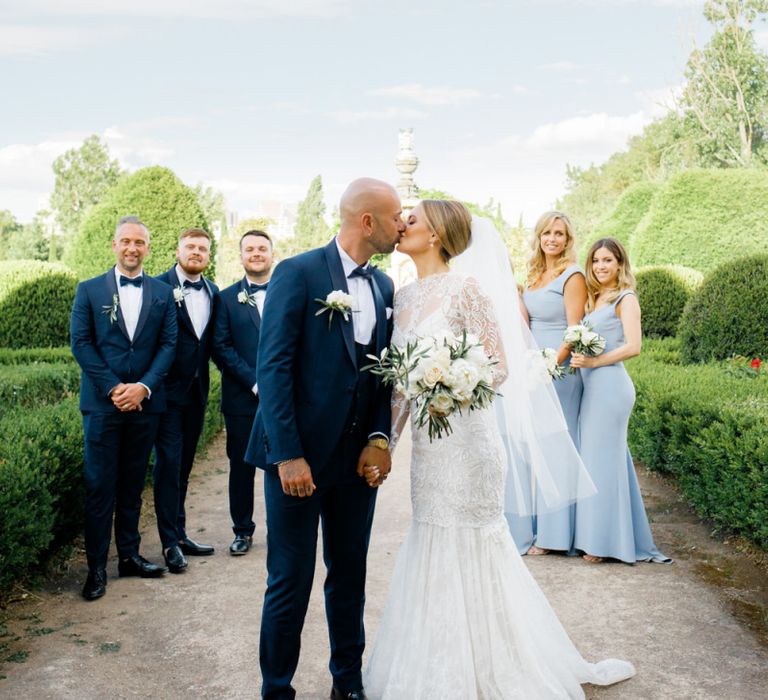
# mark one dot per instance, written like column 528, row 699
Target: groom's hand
column 296, row 478
column 374, row 465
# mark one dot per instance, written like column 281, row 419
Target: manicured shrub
column 35, row 303
column 728, row 314
column 28, row 386
column 162, row 201
column 214, row 420
column 663, row 292
column 706, row 428
column 41, row 494
column 624, row 219
column 29, row 356
column 702, row 218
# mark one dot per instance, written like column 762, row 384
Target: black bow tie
column 366, row 272
column 188, row 284
column 253, row 288
column 135, row 281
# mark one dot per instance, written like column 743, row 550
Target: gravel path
column 197, row 633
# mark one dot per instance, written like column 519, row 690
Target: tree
column 31, row 241
column 311, row 229
column 8, row 227
column 229, row 268
column 726, row 98
column 83, row 176
column 214, row 206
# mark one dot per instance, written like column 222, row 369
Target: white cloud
column 30, row 40
column 348, row 116
column 560, row 66
column 433, row 96
column 187, row 9
column 600, row 130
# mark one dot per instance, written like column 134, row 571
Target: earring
column 431, row 244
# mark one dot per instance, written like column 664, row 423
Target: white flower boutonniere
column 178, row 295
column 336, row 301
column 111, row 309
column 244, row 298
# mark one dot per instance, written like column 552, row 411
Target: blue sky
column 257, row 97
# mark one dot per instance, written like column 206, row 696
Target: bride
column 464, row 619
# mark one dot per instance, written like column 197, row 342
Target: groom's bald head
column 371, row 216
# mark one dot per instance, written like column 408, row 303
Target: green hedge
column 29, row 386
column 162, row 201
column 728, row 315
column 624, row 219
column 35, row 303
column 41, row 484
column 708, row 429
column 702, row 218
column 663, row 292
column 29, row 356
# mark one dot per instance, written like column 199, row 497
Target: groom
column 319, row 420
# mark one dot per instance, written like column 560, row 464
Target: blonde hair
column 537, row 263
column 451, row 222
column 625, row 279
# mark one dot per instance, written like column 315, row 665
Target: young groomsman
column 235, row 350
column 186, row 388
column 123, row 336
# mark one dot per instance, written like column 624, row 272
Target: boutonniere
column 336, row 301
column 244, row 298
column 178, row 295
column 111, row 309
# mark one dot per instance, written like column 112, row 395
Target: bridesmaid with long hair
column 554, row 298
column 612, row 524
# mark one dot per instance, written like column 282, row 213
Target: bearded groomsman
column 123, row 336
column 235, row 351
column 186, row 388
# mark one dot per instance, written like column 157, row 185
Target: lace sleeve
column 479, row 318
column 401, row 409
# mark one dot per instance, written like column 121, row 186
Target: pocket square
column 389, row 312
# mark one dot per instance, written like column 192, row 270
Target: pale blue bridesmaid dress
column 612, row 523
column 546, row 310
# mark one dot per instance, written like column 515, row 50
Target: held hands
column 296, row 478
column 374, row 465
column 579, row 361
column 128, row 397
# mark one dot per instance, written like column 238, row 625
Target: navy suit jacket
column 106, row 354
column 192, row 353
column 307, row 372
column 236, row 350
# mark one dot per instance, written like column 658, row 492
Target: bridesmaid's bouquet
column 441, row 374
column 583, row 340
column 543, row 367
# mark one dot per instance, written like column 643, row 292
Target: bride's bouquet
column 583, row 340
column 442, row 374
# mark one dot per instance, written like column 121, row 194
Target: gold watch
column 381, row 443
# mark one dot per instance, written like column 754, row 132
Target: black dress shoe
column 95, row 585
column 194, row 549
column 240, row 545
column 337, row 694
column 175, row 560
column 136, row 565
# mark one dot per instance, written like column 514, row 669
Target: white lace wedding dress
column 465, row 619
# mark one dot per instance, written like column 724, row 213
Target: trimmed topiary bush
column 663, row 292
column 706, row 428
column 37, row 385
column 162, row 201
column 728, row 314
column 624, row 219
column 702, row 218
column 35, row 303
column 32, row 356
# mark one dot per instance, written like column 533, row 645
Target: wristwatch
column 381, row 443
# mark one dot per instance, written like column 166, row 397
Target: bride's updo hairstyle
column 451, row 222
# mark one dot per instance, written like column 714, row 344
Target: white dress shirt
column 131, row 298
column 364, row 318
column 197, row 301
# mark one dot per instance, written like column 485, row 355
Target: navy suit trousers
column 175, row 447
column 117, row 449
column 241, row 474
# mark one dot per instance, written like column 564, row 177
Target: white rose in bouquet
column 442, row 403
column 463, row 379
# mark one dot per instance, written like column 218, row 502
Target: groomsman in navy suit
column 186, row 386
column 123, row 336
column 235, row 351
column 320, row 422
